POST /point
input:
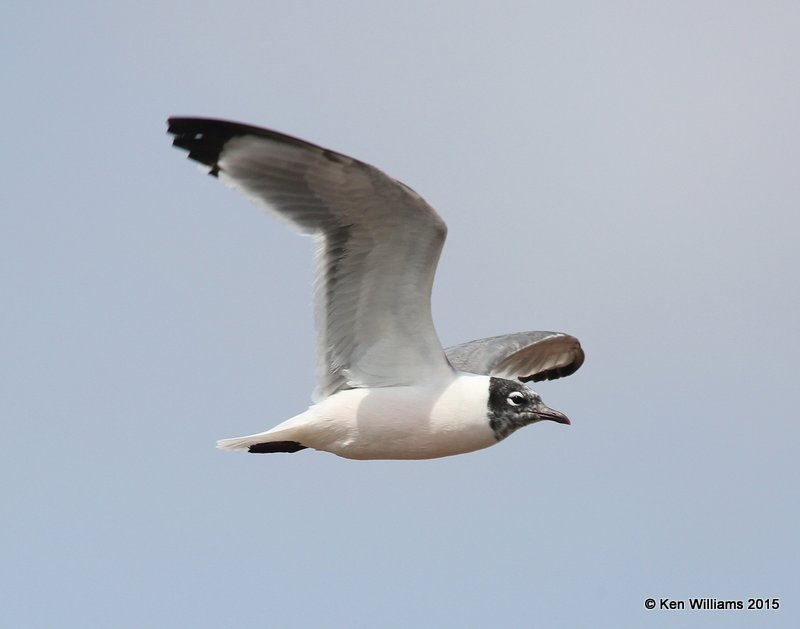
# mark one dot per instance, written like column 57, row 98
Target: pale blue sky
column 624, row 171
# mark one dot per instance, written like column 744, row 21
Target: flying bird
column 387, row 389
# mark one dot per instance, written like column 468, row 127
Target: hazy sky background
column 623, row 171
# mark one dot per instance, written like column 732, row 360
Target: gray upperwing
column 525, row 356
column 378, row 244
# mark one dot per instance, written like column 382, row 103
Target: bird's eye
column 515, row 398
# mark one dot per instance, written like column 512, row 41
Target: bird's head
column 512, row 405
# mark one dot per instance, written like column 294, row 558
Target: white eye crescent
column 515, row 398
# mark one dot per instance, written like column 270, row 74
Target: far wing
column 524, row 356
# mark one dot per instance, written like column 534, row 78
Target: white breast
column 416, row 422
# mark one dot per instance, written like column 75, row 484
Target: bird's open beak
column 545, row 412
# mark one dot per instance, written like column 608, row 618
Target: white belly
column 402, row 422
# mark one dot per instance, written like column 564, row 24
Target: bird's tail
column 282, row 438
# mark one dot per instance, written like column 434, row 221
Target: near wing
column 525, row 356
column 378, row 244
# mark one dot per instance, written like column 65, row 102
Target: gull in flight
column 387, row 389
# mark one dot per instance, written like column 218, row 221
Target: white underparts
column 409, row 422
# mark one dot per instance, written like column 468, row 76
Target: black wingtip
column 551, row 374
column 558, row 372
column 276, row 446
column 204, row 138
